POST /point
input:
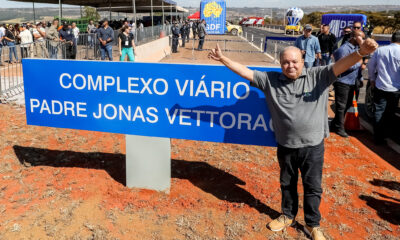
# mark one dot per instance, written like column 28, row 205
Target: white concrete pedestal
column 148, row 162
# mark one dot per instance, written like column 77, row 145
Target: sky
column 249, row 3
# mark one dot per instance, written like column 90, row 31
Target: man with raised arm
column 297, row 100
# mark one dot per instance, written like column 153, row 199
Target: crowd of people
column 322, row 49
column 183, row 30
column 44, row 39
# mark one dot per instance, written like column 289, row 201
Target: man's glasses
column 356, row 27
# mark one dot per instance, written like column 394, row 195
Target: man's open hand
column 368, row 46
column 215, row 54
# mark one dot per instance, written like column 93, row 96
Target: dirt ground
column 69, row 184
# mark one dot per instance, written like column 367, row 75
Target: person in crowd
column 384, row 74
column 183, row 34
column 327, row 41
column 300, row 141
column 309, row 46
column 321, row 30
column 133, row 29
column 11, row 39
column 194, row 29
column 344, row 38
column 346, row 84
column 39, row 34
column 202, row 34
column 91, row 29
column 141, row 26
column 17, row 31
column 75, row 31
column 357, row 26
column 187, row 31
column 105, row 36
column 3, row 29
column 190, row 28
column 68, row 38
column 368, row 29
column 53, row 36
column 2, row 34
column 26, row 41
column 175, row 37
column 126, row 43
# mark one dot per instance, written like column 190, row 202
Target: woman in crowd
column 10, row 38
column 126, row 44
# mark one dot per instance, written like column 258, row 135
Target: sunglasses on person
column 347, row 32
column 356, row 27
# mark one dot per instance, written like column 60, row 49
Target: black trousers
column 183, row 36
column 175, row 42
column 24, row 52
column 385, row 109
column 310, row 161
column 343, row 100
column 70, row 51
column 201, row 43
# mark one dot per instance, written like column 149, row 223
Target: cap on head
column 308, row 27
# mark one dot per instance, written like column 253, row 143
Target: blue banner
column 196, row 102
column 214, row 12
column 337, row 22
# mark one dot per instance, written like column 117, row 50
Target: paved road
column 259, row 37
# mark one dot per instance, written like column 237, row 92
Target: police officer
column 183, row 34
column 175, row 37
column 194, row 29
column 202, row 34
column 187, row 28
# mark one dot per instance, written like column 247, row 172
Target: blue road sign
column 197, row 102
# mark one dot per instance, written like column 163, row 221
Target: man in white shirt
column 384, row 75
column 75, row 31
column 39, row 34
column 26, row 42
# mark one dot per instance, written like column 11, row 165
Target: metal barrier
column 86, row 47
column 224, row 44
column 274, row 45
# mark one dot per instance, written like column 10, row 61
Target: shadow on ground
column 387, row 210
column 219, row 183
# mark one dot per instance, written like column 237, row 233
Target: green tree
column 313, row 18
column 397, row 20
column 91, row 13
